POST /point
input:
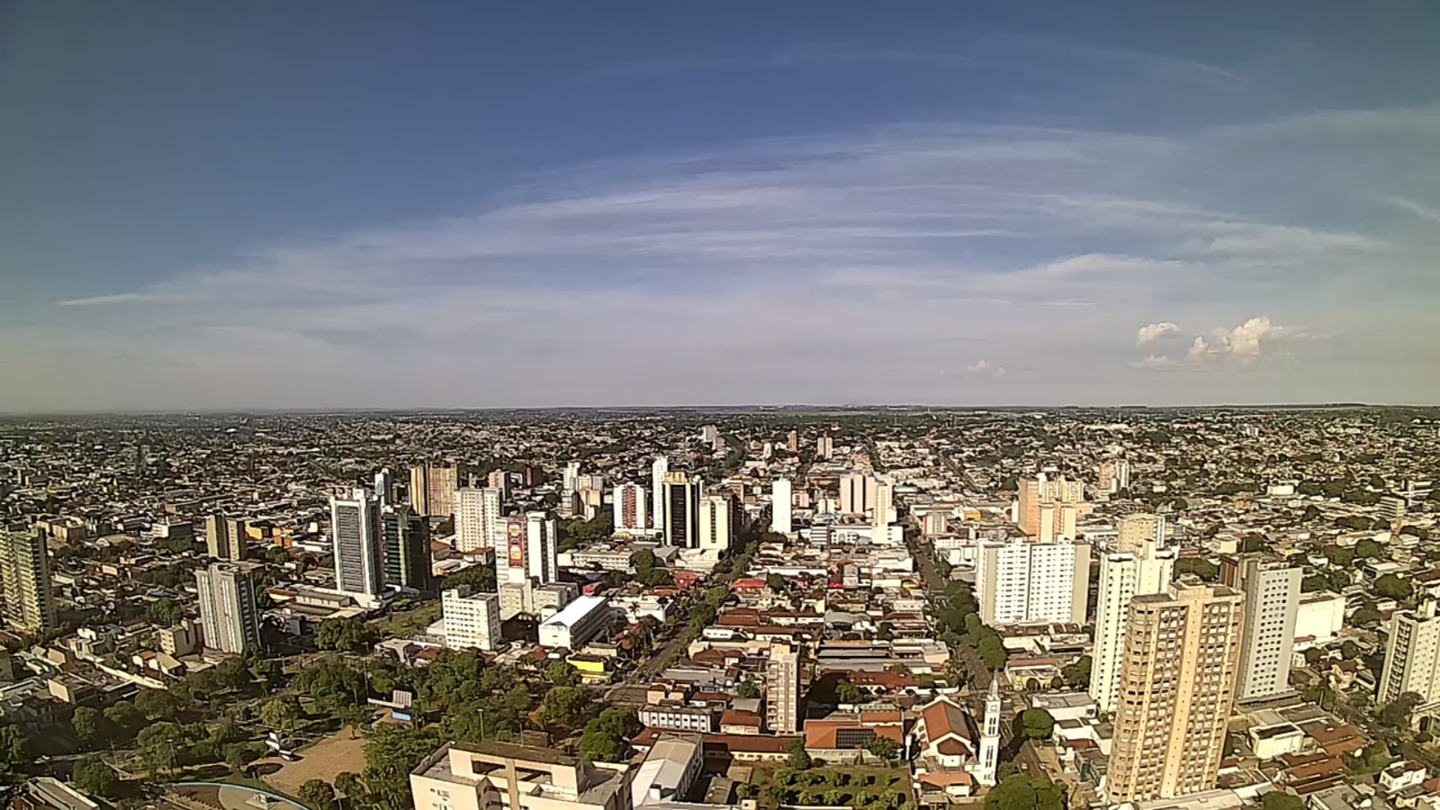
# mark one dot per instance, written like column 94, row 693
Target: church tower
column 990, row 736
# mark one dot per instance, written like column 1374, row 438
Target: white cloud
column 1155, row 362
column 131, row 298
column 1151, row 333
column 1420, row 210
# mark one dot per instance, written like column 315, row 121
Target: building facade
column 477, row 518
column 356, row 545
column 1412, row 656
column 1021, row 582
column 1177, row 688
column 407, row 549
column 682, row 510
column 629, row 503
column 1137, row 564
column 782, row 690
column 471, row 622
column 1272, row 602
column 780, row 506
column 25, row 575
column 229, row 616
column 220, row 542
column 717, row 513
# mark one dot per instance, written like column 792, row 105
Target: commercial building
column 670, row 769
column 782, row 690
column 1412, row 656
column 471, row 622
column 220, row 542
column 629, row 505
column 407, row 549
column 780, row 503
column 716, row 524
column 1272, row 600
column 1022, row 582
column 1319, row 618
column 355, row 541
column 477, row 518
column 25, row 575
column 1177, row 688
column 682, row 510
column 1136, row 564
column 229, row 616
column 579, row 622
column 505, row 776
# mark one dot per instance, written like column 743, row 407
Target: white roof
column 575, row 611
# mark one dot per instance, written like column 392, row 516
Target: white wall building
column 715, row 523
column 471, row 622
column 657, row 490
column 356, row 542
column 857, row 494
column 1137, row 563
column 1022, row 582
column 579, row 622
column 1412, row 656
column 1267, row 636
column 477, row 518
column 780, row 501
column 1318, row 619
column 229, row 617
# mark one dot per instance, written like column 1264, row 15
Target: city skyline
column 225, row 209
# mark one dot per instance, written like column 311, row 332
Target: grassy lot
column 869, row 788
column 411, row 621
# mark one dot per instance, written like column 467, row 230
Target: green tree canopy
column 1276, row 800
column 1077, row 675
column 848, row 693
column 1020, row 792
column 562, row 673
column 1036, row 724
column 317, row 794
column 1393, row 587
column 94, row 778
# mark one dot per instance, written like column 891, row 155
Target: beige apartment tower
column 225, row 539
column 1064, row 499
column 1177, row 687
column 25, row 574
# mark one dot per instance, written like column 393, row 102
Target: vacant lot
column 323, row 760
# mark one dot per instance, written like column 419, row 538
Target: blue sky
column 357, row 204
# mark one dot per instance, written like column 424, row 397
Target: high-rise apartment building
column 716, row 523
column 1021, row 582
column 499, row 479
column 1135, row 565
column 780, row 503
column 432, row 489
column 883, row 512
column 477, row 518
column 385, row 487
column 1113, row 476
column 229, row 616
column 857, row 494
column 407, row 549
column 629, row 506
column 542, row 548
column 529, row 558
column 792, row 442
column 1267, row 638
column 471, row 622
column 25, row 576
column 569, row 488
column 1412, row 656
column 658, row 471
column 356, row 544
column 824, row 447
column 1042, row 491
column 1177, row 688
column 782, row 690
column 221, row 542
column 682, row 510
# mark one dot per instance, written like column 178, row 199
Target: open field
column 323, row 760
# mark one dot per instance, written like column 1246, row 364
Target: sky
column 354, row 204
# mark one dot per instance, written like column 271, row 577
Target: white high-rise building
column 1412, row 656
column 229, row 617
column 569, row 487
column 356, row 542
column 782, row 690
column 715, row 528
column 857, row 494
column 987, row 769
column 1137, row 564
column 780, row 500
column 477, row 518
column 542, row 548
column 1021, row 582
column 629, row 505
column 1267, row 635
column 658, row 471
column 824, row 447
column 385, row 487
column 884, row 509
column 471, row 622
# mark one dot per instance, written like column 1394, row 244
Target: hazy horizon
column 453, row 206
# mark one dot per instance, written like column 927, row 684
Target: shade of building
column 780, row 505
column 682, row 510
column 579, row 622
column 629, row 503
column 220, row 542
column 716, row 523
column 1021, row 582
column 1412, row 656
column 782, row 690
column 407, row 549
column 471, row 622
column 25, row 575
column 505, row 776
column 356, row 545
column 229, row 616
column 477, row 518
column 1177, row 688
column 1136, row 564
column 1272, row 601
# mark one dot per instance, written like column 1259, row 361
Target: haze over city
column 220, row 206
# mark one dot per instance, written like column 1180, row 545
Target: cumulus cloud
column 1154, row 332
column 984, row 368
